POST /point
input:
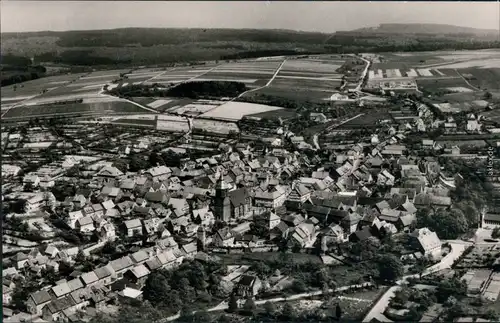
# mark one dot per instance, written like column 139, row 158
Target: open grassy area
column 67, row 110
column 483, row 78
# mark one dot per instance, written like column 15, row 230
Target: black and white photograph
column 250, row 161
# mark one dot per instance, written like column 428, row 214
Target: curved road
column 378, row 309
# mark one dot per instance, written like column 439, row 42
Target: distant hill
column 126, row 47
column 434, row 29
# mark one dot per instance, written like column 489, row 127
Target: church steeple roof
column 221, row 184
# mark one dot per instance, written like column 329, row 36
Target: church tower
column 222, row 202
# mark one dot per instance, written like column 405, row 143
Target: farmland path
column 224, row 305
column 463, row 78
column 159, row 74
column 264, row 86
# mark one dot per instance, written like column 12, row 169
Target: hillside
column 127, row 47
column 434, row 29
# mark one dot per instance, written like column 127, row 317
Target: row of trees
column 193, row 90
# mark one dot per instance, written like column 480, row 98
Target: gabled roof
column 41, row 297
column 89, row 278
column 110, row 171
column 238, row 197
column 134, row 223
column 158, row 171
column 140, row 271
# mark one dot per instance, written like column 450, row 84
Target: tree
column 338, row 312
column 390, row 267
column 270, row 309
column 495, row 233
column 448, row 224
column 451, row 287
column 288, row 312
column 249, row 305
column 233, row 304
column 156, row 288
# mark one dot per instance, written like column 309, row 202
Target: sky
column 20, row 16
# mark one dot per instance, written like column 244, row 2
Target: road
column 363, row 75
column 224, row 305
column 463, row 78
column 378, row 309
column 345, row 121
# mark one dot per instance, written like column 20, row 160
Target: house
column 20, row 260
column 119, row 266
column 203, row 216
column 299, row 195
column 133, row 227
column 37, row 301
column 85, row 224
column 89, row 279
column 110, row 193
column 304, row 235
column 426, row 241
column 490, row 220
column 385, row 178
column 137, row 275
column 190, row 249
column 31, row 179
column 248, row 286
column 104, row 275
column 107, row 232
column 270, row 198
column 51, row 251
column 109, row 172
column 318, row 117
column 59, row 309
column 334, row 234
column 473, row 124
column 224, row 238
column 269, row 220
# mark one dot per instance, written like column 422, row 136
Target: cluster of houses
column 242, row 199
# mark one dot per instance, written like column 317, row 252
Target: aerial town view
column 253, row 161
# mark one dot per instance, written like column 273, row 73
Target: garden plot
column 237, row 110
column 158, row 103
column 215, row 126
column 412, row 73
column 424, row 72
column 459, row 89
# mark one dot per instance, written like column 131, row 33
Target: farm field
column 96, row 108
column 35, row 87
column 488, row 79
column 283, row 113
column 306, row 84
column 237, row 110
column 312, row 66
column 444, row 84
column 136, row 122
column 299, row 94
column 493, row 115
